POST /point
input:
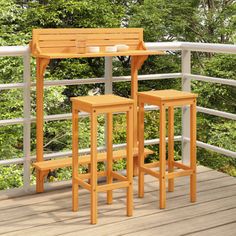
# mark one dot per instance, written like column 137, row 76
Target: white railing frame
column 186, row 49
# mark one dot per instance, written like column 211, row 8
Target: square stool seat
column 102, row 104
column 168, row 95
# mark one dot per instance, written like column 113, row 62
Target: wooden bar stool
column 170, row 99
column 95, row 105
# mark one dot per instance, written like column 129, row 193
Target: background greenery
column 210, row 21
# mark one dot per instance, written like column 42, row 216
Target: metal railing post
column 186, row 86
column 108, row 75
column 27, row 120
column 108, row 87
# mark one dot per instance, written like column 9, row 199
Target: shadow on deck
column 50, row 213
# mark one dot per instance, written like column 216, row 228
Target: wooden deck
column 50, row 213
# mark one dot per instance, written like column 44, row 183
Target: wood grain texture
column 50, row 44
column 162, row 157
column 50, row 213
column 85, row 159
column 75, row 158
column 171, row 147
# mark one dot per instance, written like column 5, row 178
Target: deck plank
column 196, row 223
column 51, row 214
column 228, row 229
column 64, row 198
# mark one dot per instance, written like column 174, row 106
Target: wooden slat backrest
column 76, row 40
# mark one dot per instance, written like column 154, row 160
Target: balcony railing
column 185, row 47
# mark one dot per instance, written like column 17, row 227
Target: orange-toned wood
column 193, row 177
column 100, row 105
column 50, row 44
column 61, row 53
column 45, row 39
column 141, row 149
column 40, row 69
column 117, row 176
column 112, row 186
column 168, row 95
column 180, row 173
column 109, row 155
column 110, row 101
column 162, row 156
column 152, row 164
column 181, row 166
column 168, row 98
column 88, row 175
column 171, row 146
column 150, row 172
column 93, row 131
column 50, row 165
column 134, row 90
column 82, row 183
column 75, row 163
column 40, row 175
column 129, row 163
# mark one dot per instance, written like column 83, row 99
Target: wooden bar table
column 49, row 44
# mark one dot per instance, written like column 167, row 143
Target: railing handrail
column 203, row 47
column 13, row 50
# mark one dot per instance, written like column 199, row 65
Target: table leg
column 134, row 90
column 41, row 64
column 141, row 150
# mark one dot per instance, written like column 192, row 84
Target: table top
column 100, row 54
column 102, row 100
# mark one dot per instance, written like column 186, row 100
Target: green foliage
column 8, row 179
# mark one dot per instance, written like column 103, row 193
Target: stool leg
column 93, row 167
column 162, row 178
column 134, row 89
column 141, row 150
column 109, row 156
column 170, row 146
column 193, row 178
column 129, row 165
column 75, row 187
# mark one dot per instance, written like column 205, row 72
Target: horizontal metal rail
column 194, row 47
column 214, row 148
column 13, row 51
column 66, row 116
column 223, row 114
column 210, row 79
column 49, row 83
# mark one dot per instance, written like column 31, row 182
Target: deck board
column 50, row 213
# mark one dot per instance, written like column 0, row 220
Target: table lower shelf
column 50, row 165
